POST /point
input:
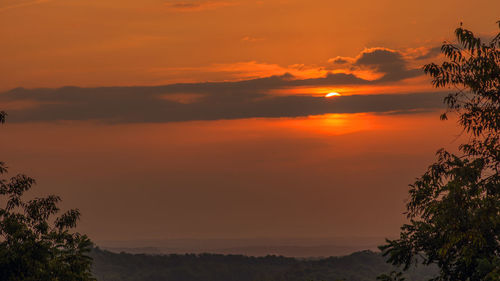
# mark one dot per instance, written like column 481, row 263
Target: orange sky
column 338, row 175
column 260, row 152
column 52, row 43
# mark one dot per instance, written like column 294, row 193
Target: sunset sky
column 208, row 119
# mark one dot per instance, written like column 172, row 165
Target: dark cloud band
column 220, row 100
column 212, row 101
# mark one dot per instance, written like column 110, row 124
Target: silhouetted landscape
column 359, row 266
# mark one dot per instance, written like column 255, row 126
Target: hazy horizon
column 303, row 247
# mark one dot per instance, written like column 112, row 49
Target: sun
column 333, row 94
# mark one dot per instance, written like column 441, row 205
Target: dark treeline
column 359, row 266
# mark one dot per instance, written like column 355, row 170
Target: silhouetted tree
column 454, row 208
column 393, row 276
column 34, row 245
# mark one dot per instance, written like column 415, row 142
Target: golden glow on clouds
column 238, row 71
column 413, row 85
column 315, row 91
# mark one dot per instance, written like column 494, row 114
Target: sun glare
column 334, row 94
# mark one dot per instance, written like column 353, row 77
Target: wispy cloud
column 379, row 64
column 254, row 69
column 371, row 64
column 429, row 53
column 195, row 6
column 242, row 70
column 20, row 4
column 251, row 39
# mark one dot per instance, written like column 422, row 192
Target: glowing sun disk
column 333, row 94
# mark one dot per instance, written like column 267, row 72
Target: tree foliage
column 393, row 276
column 33, row 244
column 2, row 117
column 454, row 208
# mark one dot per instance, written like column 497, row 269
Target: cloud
column 340, row 60
column 368, row 65
column 254, row 69
column 243, row 70
column 8, row 5
column 203, row 101
column 382, row 64
column 431, row 53
column 251, row 39
column 249, row 69
column 195, row 6
column 389, row 62
column 264, row 91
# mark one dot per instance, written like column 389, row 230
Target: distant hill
column 288, row 247
column 264, row 250
column 360, row 266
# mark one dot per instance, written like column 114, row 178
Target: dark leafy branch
column 31, row 247
column 454, row 208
